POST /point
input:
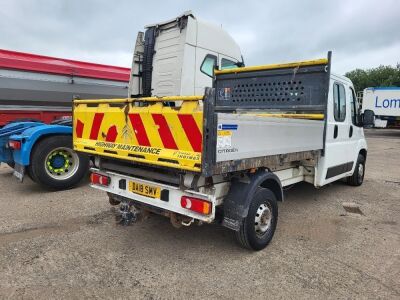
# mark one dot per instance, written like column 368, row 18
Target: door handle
column 335, row 132
column 351, row 131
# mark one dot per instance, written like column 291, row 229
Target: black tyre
column 259, row 226
column 28, row 172
column 359, row 171
column 55, row 165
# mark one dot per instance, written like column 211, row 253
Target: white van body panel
column 383, row 101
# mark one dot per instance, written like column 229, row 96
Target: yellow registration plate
column 144, row 189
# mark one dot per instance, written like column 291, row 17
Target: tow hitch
column 127, row 214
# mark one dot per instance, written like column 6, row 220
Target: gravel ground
column 67, row 245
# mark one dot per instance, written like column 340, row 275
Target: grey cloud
column 267, row 31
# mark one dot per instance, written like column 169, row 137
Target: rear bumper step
column 166, row 197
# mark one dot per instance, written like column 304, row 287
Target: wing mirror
column 239, row 64
column 368, row 118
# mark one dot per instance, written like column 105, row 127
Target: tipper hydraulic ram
column 224, row 156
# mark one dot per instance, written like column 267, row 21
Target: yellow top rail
column 322, row 61
column 143, row 99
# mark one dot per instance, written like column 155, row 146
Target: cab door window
column 339, row 102
column 208, row 65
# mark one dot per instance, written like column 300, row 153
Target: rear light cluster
column 96, row 178
column 15, row 145
column 197, row 205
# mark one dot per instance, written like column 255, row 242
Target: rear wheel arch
column 237, row 202
column 40, row 139
column 275, row 186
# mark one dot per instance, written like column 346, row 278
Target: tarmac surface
column 67, row 245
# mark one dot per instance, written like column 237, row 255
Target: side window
column 227, row 64
column 208, row 64
column 354, row 108
column 339, row 102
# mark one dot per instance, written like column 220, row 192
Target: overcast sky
column 361, row 33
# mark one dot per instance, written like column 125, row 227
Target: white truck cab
column 344, row 136
column 177, row 57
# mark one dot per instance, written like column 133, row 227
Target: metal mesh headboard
column 301, row 86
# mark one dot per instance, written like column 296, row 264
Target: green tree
column 380, row 76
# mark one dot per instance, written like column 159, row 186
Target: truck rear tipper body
column 226, row 156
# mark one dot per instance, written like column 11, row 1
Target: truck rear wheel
column 55, row 165
column 258, row 228
column 28, row 171
column 359, row 171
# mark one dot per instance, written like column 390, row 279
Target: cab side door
column 336, row 162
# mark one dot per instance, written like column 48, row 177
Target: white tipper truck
column 385, row 103
column 225, row 155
